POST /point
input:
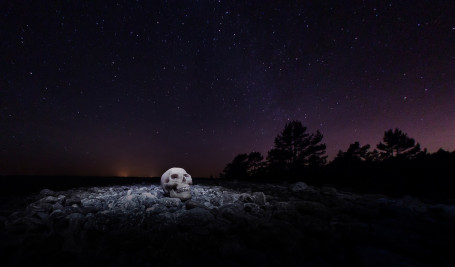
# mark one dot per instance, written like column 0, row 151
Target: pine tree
column 397, row 144
column 355, row 153
column 295, row 149
column 243, row 166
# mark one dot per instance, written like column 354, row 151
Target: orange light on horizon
column 122, row 174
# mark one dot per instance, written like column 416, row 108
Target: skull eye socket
column 167, row 180
column 174, row 176
column 186, row 175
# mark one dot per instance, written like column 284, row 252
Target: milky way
column 134, row 88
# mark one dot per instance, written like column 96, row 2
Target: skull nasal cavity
column 174, row 176
column 184, row 179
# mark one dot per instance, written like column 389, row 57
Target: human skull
column 176, row 183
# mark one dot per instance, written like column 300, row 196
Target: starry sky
column 132, row 88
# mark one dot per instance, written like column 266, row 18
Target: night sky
column 132, row 88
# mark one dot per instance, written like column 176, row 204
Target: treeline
column 397, row 165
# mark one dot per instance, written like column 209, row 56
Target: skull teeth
column 183, row 189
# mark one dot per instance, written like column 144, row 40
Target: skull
column 176, row 183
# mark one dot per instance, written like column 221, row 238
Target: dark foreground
column 231, row 225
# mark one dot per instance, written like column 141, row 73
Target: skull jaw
column 185, row 195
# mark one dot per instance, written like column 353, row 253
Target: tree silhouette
column 255, row 163
column 355, row 153
column 398, row 145
column 295, row 149
column 243, row 166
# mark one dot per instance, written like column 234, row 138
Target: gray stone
column 299, row 187
column 443, row 209
column 75, row 217
column 72, row 200
column 57, row 206
column 232, row 220
column 155, row 209
column 130, row 203
column 171, row 203
column 47, row 192
column 49, row 199
column 191, row 204
column 309, row 207
column 231, row 211
column 57, row 214
column 39, row 206
column 246, row 198
column 329, row 191
column 252, row 208
column 227, row 197
column 93, row 203
column 196, row 217
column 259, row 198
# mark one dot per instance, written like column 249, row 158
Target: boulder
column 49, row 199
column 259, row 198
column 246, row 198
column 328, row 191
column 309, row 207
column 299, row 187
column 191, row 204
column 72, row 200
column 47, row 192
column 195, row 217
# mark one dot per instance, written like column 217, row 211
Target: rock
column 414, row 204
column 442, row 209
column 171, row 203
column 246, row 198
column 39, row 206
column 329, row 191
column 232, row 212
column 215, row 201
column 259, row 198
column 253, row 209
column 49, row 199
column 284, row 211
column 166, row 217
column 73, row 200
column 196, row 217
column 309, row 207
column 299, row 187
column 227, row 197
column 90, row 222
column 47, row 192
column 130, row 203
column 72, row 209
column 94, row 203
column 191, row 204
column 75, row 221
column 155, row 209
column 57, row 214
column 319, row 226
column 57, row 206
column 149, row 195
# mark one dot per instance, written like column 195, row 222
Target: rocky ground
column 229, row 225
